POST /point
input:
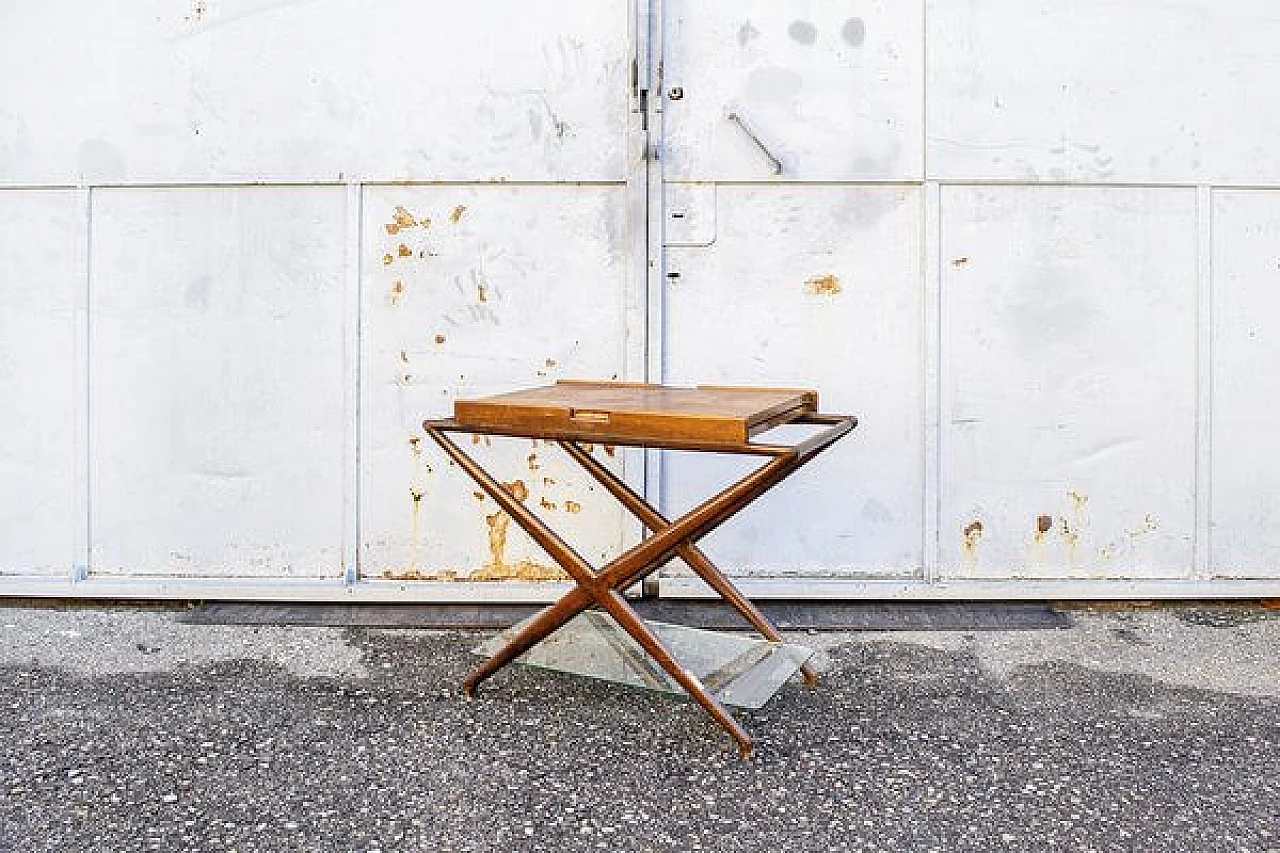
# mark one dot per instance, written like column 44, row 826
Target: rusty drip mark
column 1072, row 529
column 439, row 339
column 498, row 568
column 972, row 537
column 416, row 492
column 404, row 356
column 609, row 450
column 548, row 481
column 546, row 504
column 572, row 506
column 479, row 495
column 404, row 251
column 533, row 462
column 482, row 293
column 823, row 285
column 475, row 438
column 455, row 216
column 497, row 522
column 959, row 262
column 387, row 259
column 397, row 292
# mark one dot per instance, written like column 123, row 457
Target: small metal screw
column 675, row 93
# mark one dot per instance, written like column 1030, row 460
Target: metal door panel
column 40, row 232
column 1245, row 517
column 810, row 287
column 217, row 370
column 478, row 290
column 1069, row 382
column 1138, row 91
column 239, row 90
column 832, row 90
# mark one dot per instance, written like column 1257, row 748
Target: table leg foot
column 746, row 750
column 810, row 676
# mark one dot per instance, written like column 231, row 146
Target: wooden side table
column 707, row 419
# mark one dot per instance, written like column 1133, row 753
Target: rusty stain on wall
column 396, row 294
column 572, row 507
column 455, row 216
column 404, row 251
column 972, row 537
column 533, row 462
column 823, row 285
column 546, row 504
column 401, row 219
column 416, row 492
column 498, row 568
column 440, row 339
column 1073, row 527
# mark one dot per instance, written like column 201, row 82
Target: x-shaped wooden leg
column 602, row 588
column 693, row 556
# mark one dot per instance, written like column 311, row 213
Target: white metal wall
column 246, row 245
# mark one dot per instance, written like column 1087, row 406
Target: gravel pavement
column 1148, row 731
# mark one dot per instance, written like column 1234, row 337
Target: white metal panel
column 39, row 233
column 1246, row 421
column 216, row 353
column 157, row 91
column 831, row 89
column 1097, row 90
column 478, row 290
column 810, row 287
column 1069, row 369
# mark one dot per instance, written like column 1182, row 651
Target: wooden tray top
column 622, row 411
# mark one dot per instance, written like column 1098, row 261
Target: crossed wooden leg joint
column 602, row 588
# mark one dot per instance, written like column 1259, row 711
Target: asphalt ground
column 1149, row 731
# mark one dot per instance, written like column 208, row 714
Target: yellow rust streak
column 416, row 491
column 498, row 568
column 455, row 216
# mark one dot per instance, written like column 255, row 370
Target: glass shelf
column 743, row 671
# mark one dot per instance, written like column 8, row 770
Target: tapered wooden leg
column 542, row 626
column 643, row 634
column 690, row 553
